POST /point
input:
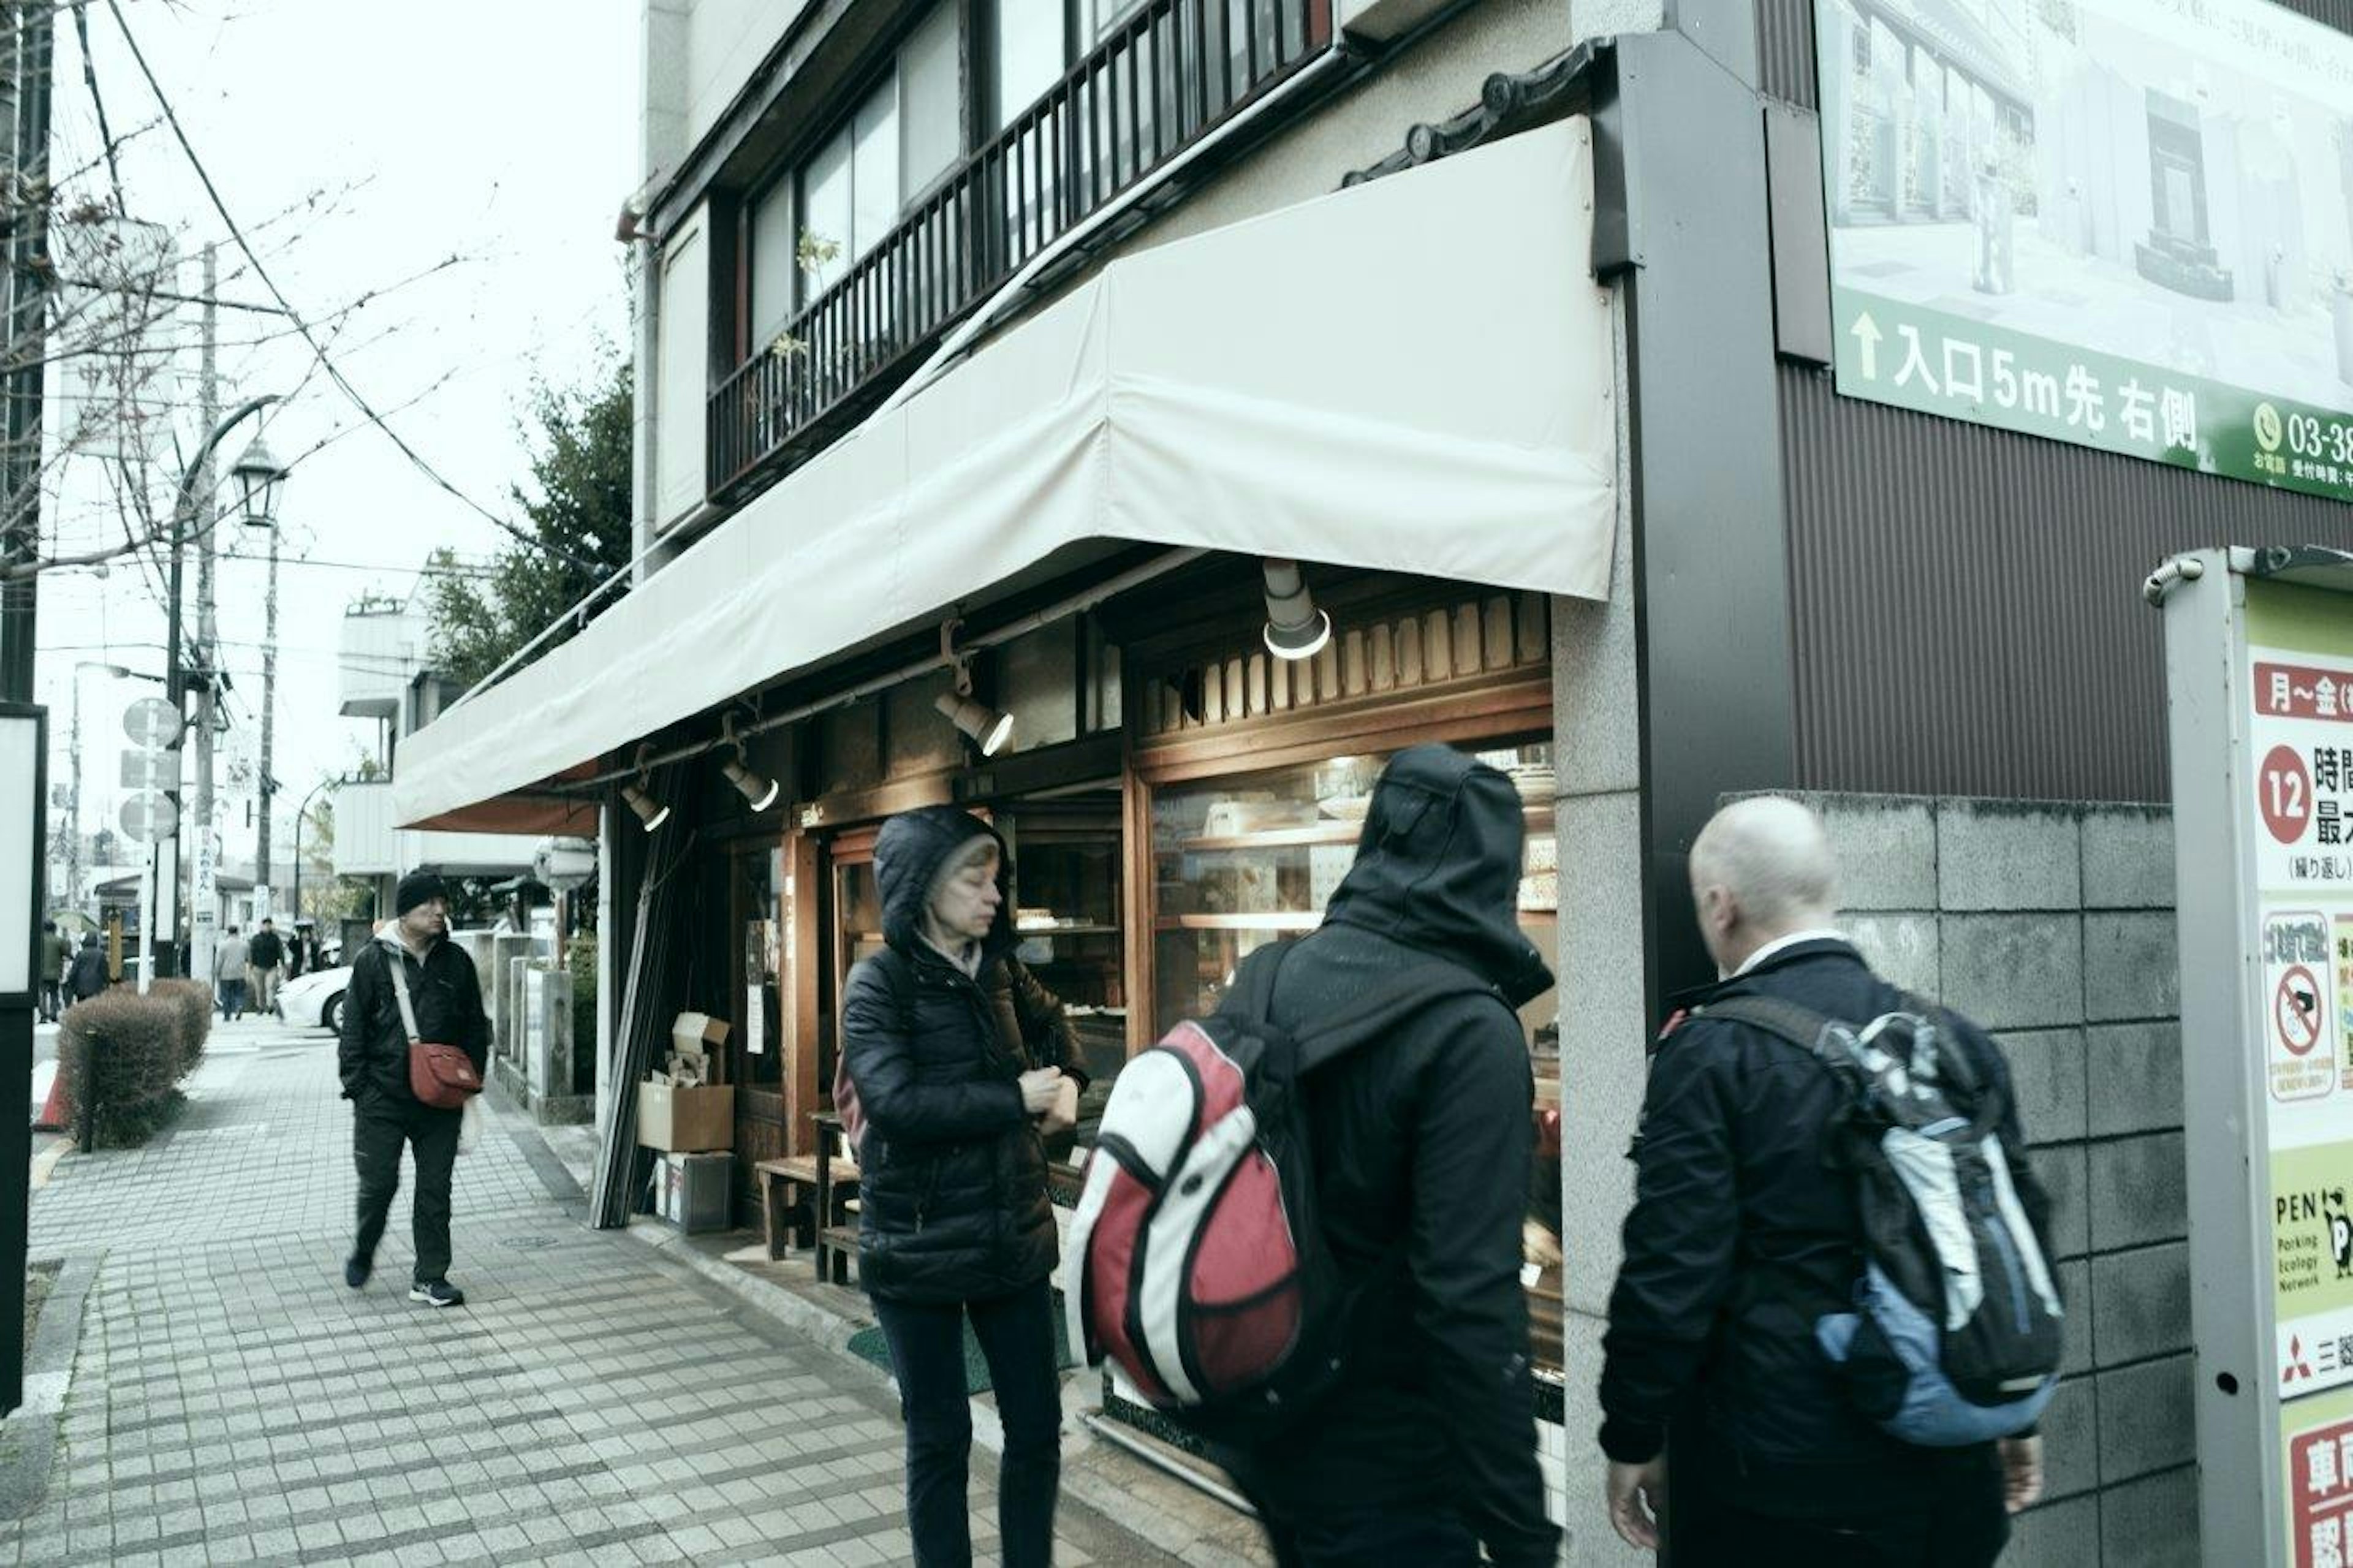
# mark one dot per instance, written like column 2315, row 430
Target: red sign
column 2320, row 1482
column 2299, row 691
column 2284, row 791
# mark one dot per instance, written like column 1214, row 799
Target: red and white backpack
column 1196, row 1259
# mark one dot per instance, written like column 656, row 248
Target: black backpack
column 1954, row 1336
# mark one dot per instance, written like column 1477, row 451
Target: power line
column 334, row 372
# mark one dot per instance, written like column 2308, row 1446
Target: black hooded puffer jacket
column 1423, row 1143
column 952, row 1201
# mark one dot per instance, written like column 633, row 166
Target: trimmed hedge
column 195, row 1000
column 133, row 1051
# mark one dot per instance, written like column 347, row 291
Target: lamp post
column 259, row 476
column 299, row 816
column 176, row 683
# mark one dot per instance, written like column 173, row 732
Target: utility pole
column 204, row 902
column 25, row 202
column 26, row 206
column 268, row 711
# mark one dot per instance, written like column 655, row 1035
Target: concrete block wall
column 2053, row 925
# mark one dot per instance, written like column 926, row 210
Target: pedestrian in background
column 231, row 959
column 1745, row 1235
column 88, row 976
column 446, row 998
column 266, row 956
column 958, row 1057
column 53, row 972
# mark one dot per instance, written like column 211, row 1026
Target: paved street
column 233, row 1402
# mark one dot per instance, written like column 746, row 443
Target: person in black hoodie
column 962, row 1063
column 372, row 1054
column 1421, row 1145
column 87, row 978
column 1743, row 1235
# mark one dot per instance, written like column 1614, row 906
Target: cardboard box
column 686, row 1120
column 691, row 1191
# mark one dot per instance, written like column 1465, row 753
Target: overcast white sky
column 498, row 131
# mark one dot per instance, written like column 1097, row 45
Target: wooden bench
column 811, row 1191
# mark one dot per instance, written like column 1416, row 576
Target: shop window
column 1066, row 894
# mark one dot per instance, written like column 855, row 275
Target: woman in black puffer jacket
column 961, row 1062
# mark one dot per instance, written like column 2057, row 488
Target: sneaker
column 437, row 1293
column 356, row 1270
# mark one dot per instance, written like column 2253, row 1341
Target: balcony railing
column 1156, row 83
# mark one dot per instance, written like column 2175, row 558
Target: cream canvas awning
column 1412, row 376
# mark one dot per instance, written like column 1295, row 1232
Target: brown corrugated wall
column 1967, row 607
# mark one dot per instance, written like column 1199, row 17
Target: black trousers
column 1369, row 1537
column 1964, row 1525
column 379, row 1126
column 1017, row 1336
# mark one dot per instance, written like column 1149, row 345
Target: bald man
column 1741, row 1236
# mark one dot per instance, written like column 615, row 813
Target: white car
column 315, row 1000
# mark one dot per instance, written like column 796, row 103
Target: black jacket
column 87, row 978
column 266, row 951
column 1423, row 1144
column 373, row 1052
column 952, row 1197
column 1741, row 1237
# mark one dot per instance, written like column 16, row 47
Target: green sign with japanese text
column 2124, row 224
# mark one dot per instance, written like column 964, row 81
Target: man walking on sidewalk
column 266, row 954
column 447, row 1000
column 230, row 960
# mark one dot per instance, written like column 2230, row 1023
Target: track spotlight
column 758, row 792
column 1296, row 628
column 983, row 725
column 988, row 728
column 650, row 812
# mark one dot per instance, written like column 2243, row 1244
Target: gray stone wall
column 2053, row 925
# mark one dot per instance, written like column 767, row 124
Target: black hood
column 1438, row 868
column 908, row 855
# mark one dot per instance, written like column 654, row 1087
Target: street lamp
column 183, row 509
column 299, row 815
column 259, row 476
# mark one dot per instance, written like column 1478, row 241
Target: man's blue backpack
column 1954, row 1336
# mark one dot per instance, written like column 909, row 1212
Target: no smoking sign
column 2295, row 1011
column 2301, row 1052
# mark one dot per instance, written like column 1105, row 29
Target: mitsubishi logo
column 2298, row 1369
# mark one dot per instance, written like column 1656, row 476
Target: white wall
column 725, row 40
column 381, row 651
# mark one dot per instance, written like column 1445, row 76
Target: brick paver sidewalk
column 233, row 1402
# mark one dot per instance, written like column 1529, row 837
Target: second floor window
column 809, row 227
